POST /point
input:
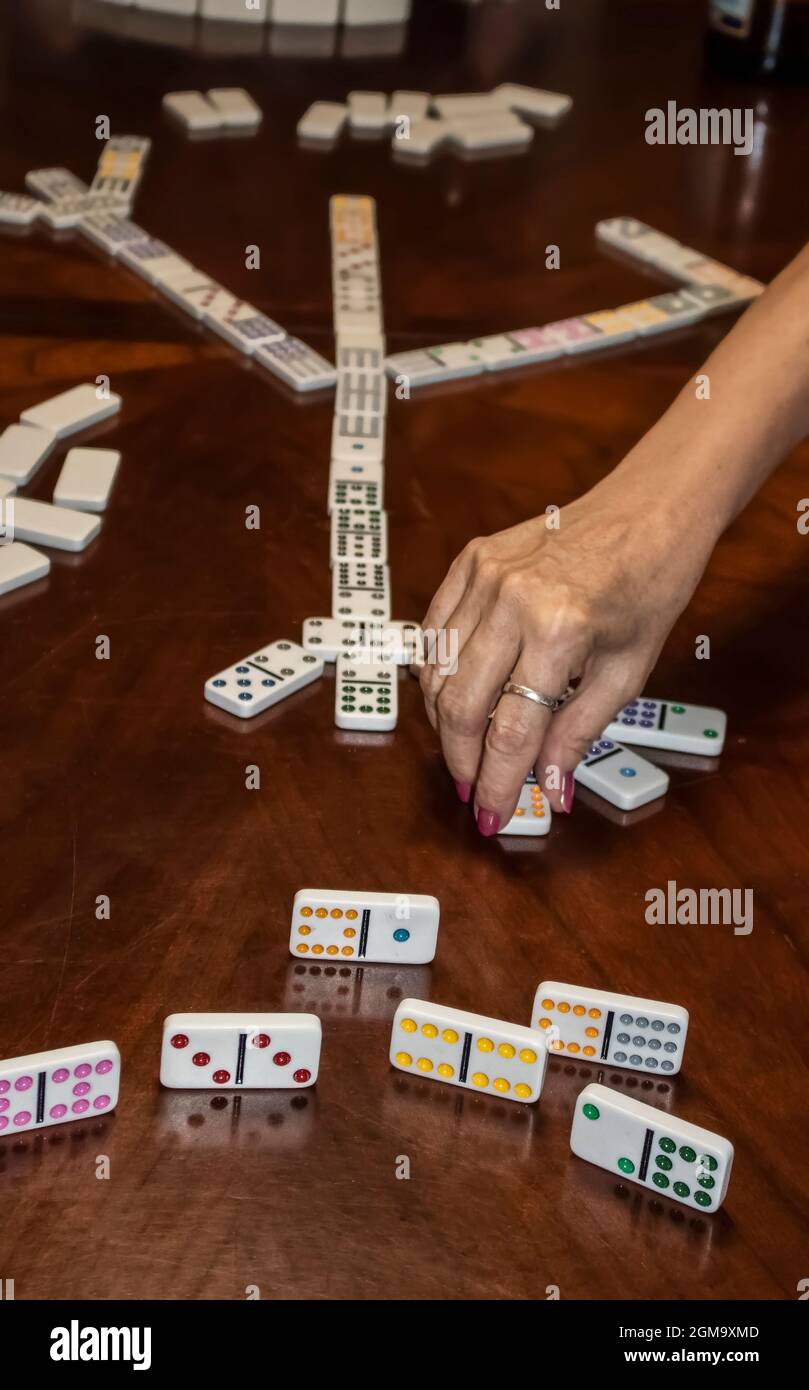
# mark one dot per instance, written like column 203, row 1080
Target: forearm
column 707, row 457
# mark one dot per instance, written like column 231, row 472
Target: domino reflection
column 343, row 991
column 461, row 1122
column 277, row 1120
column 624, row 819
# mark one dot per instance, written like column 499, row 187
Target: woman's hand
column 589, row 594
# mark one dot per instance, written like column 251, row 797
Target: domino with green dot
column 645, row 1145
column 672, row 725
column 365, row 694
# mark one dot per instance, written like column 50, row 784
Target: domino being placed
column 532, row 815
column 262, row 679
column 368, row 111
column 323, row 121
column 360, row 590
column 23, row 449
column 191, row 111
column 359, row 533
column 635, row 1141
column 618, row 1029
column 463, row 1049
column 676, row 727
column 620, row 776
column 533, row 102
column 253, row 1051
column 19, row 564
column 235, row 108
column 44, row 524
column 71, row 410
column 51, row 1088
column 424, row 366
column 300, row 366
column 400, row 928
column 366, row 695
column 17, row 210
column 365, row 642
column 86, row 479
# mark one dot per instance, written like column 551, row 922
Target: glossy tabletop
column 120, row 781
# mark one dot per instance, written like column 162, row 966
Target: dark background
column 118, row 779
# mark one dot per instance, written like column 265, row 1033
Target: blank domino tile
column 619, row 1029
column 51, row 1088
column 420, row 137
column 262, row 679
column 533, row 101
column 322, row 121
column 463, row 1049
column 463, row 104
column 359, row 12
column 59, row 527
column 235, row 108
column 86, row 479
column 359, row 533
column 412, row 105
column 249, row 1051
column 368, row 111
column 20, row 564
column 400, row 928
column 532, row 815
column 635, row 1141
column 8, row 487
column 71, row 410
column 620, row 776
column 676, row 727
column 366, row 695
column 360, row 590
column 22, row 450
column 395, row 641
column 192, row 111
column 502, row 130
column 306, row 12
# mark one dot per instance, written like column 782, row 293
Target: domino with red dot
column 250, row 1052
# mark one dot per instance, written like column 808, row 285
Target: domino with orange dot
column 399, row 928
column 468, row 1050
column 532, row 815
column 240, row 1051
column 619, row 1029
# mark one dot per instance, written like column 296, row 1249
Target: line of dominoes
column 99, row 213
column 274, row 14
column 708, row 288
column 420, row 123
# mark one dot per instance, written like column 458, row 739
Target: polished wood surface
column 118, row 779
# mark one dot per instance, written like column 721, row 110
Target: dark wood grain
column 118, row 779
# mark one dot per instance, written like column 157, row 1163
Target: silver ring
column 551, row 702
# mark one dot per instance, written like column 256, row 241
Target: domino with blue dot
column 620, row 776
column 399, row 928
column 263, row 678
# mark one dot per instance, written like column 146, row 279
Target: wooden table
column 119, row 780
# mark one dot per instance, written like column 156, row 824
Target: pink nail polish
column 568, row 791
column 488, row 822
column 464, row 790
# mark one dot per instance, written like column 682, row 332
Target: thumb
column 579, row 723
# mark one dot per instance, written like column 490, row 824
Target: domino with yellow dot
column 399, row 928
column 532, row 814
column 468, row 1050
column 644, row 1145
column 620, row 1029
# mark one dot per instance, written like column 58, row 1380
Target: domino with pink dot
column 51, row 1088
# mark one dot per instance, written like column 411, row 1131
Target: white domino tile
column 366, row 695
column 55, row 1087
column 359, row 533
column 671, row 725
column 395, row 641
column 620, row 776
column 58, row 527
column 640, row 1144
column 86, row 479
column 620, row 1030
column 20, row 564
column 250, row 1051
column 532, row 815
column 72, row 410
column 399, row 928
column 463, row 1049
column 22, row 450
column 361, row 590
column 260, row 680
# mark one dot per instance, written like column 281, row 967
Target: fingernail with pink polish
column 568, row 790
column 464, row 790
column 488, row 822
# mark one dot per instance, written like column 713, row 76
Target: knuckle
column 507, row 736
column 456, row 713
